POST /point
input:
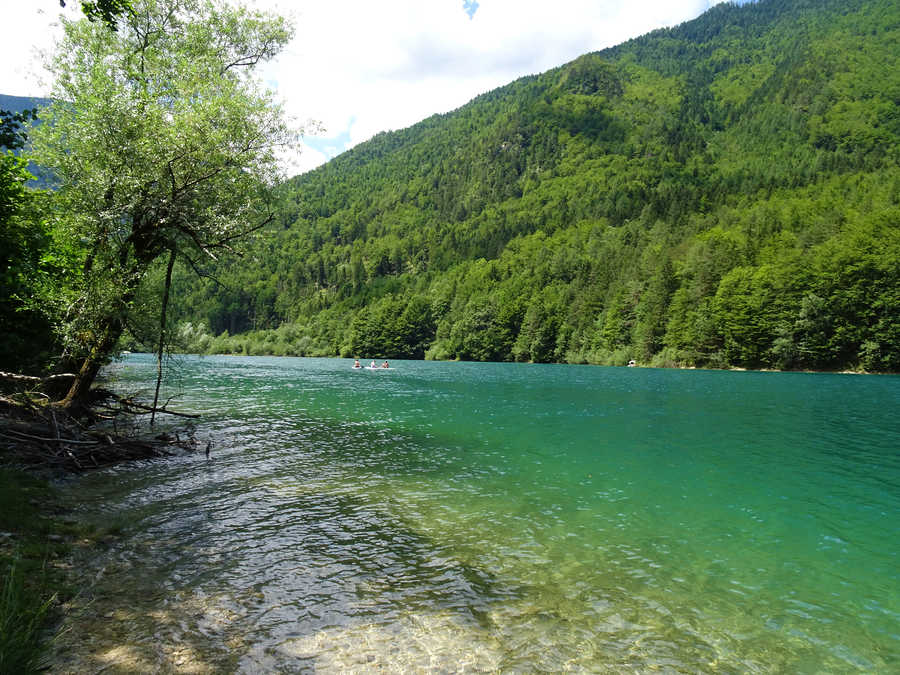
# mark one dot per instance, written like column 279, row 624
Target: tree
column 651, row 311
column 12, row 133
column 23, row 247
column 107, row 11
column 162, row 142
column 24, row 243
column 415, row 328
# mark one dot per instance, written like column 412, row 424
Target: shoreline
column 646, row 366
column 41, row 537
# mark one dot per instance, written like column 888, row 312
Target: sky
column 359, row 67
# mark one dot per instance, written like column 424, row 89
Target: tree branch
column 204, row 275
column 147, row 408
column 16, row 377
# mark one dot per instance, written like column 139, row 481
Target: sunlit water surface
column 462, row 517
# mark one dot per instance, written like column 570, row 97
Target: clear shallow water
column 503, row 517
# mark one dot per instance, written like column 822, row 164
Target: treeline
column 722, row 193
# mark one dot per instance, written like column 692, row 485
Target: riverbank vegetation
column 158, row 144
column 28, row 549
column 720, row 194
column 725, row 193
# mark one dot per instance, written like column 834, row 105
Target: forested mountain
column 26, row 105
column 721, row 193
column 20, row 103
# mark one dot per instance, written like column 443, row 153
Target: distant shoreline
column 736, row 369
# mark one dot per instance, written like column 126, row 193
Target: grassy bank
column 40, row 538
column 33, row 548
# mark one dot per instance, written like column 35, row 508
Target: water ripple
column 477, row 517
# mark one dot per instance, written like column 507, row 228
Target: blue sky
column 360, row 67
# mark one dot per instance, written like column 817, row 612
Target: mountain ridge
column 704, row 167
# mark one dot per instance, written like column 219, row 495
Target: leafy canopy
column 160, row 139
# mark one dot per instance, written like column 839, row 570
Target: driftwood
column 37, row 434
column 32, row 379
column 134, row 406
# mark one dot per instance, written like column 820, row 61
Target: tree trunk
column 109, row 334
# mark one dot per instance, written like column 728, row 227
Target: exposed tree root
column 37, row 434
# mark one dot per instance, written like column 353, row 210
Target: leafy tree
column 161, row 142
column 415, row 328
column 24, row 254
column 25, row 261
column 651, row 311
column 107, row 11
column 12, row 131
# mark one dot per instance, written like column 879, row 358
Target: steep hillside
column 20, row 103
column 722, row 193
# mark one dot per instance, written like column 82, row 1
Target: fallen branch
column 46, row 437
column 30, row 437
column 149, row 408
column 16, row 377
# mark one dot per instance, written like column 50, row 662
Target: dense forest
column 724, row 193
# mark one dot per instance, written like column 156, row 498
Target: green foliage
column 722, row 193
column 107, row 11
column 12, row 123
column 26, row 265
column 160, row 140
column 25, row 599
column 24, row 254
column 21, row 625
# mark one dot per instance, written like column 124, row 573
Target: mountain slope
column 20, row 103
column 721, row 193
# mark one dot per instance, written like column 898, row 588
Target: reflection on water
column 487, row 517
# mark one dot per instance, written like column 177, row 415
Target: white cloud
column 30, row 30
column 361, row 67
column 388, row 66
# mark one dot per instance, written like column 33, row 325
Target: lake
column 471, row 517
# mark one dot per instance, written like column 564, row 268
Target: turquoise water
column 463, row 517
